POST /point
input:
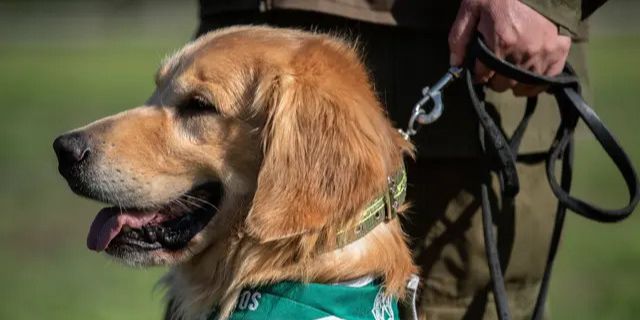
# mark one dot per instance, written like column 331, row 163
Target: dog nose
column 71, row 149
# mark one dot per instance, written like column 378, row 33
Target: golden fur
column 300, row 143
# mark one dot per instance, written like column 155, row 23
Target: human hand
column 514, row 32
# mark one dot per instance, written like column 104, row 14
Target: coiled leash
column 502, row 154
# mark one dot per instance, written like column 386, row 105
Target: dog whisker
column 200, row 200
column 181, row 204
column 191, row 203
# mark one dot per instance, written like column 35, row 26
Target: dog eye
column 194, row 115
column 196, row 104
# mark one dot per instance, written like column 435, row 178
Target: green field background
column 65, row 63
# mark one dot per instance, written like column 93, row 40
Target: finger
column 521, row 90
column 482, row 73
column 551, row 65
column 526, row 90
column 560, row 55
column 552, row 69
column 555, row 68
column 461, row 32
column 501, row 83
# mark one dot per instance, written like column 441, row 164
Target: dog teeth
column 151, row 235
column 126, row 228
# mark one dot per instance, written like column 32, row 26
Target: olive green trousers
column 445, row 228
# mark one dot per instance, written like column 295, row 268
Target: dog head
column 251, row 131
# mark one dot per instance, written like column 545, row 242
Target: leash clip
column 419, row 116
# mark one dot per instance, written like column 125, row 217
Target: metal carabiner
column 419, row 116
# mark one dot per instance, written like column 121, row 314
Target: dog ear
column 328, row 149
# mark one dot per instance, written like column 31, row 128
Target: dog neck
column 217, row 275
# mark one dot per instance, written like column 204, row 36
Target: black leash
column 502, row 154
column 566, row 90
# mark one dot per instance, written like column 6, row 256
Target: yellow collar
column 382, row 209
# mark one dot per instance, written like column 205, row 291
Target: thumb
column 462, row 30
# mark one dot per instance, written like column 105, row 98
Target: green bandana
column 315, row 301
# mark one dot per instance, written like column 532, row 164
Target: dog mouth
column 169, row 227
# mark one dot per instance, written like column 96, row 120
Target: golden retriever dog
column 258, row 147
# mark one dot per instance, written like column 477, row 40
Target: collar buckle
column 382, row 209
column 391, row 203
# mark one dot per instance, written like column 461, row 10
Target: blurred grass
column 46, row 269
column 50, row 82
column 61, row 65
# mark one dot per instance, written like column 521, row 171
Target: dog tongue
column 109, row 222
